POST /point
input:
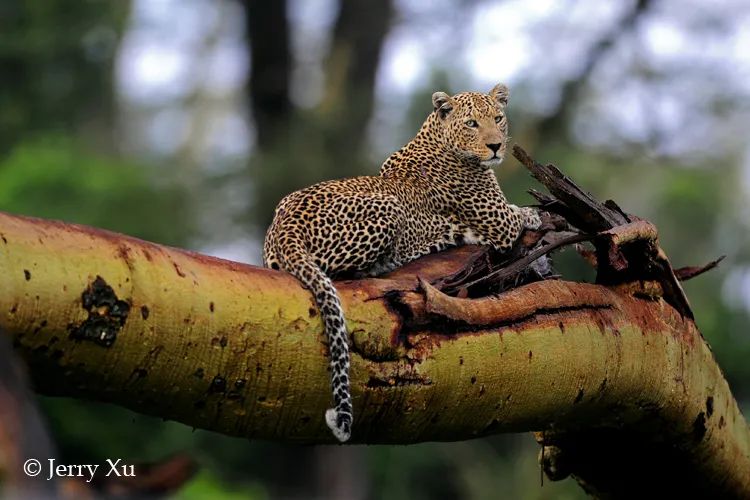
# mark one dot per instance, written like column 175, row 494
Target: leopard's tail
column 302, row 267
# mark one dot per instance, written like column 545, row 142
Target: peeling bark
column 240, row 350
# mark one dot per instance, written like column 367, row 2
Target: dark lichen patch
column 137, row 374
column 211, row 306
column 218, row 384
column 27, row 274
column 603, row 385
column 179, row 271
column 374, row 382
column 397, row 381
column 107, row 314
column 124, row 252
column 709, row 406
column 579, row 396
column 38, row 329
column 145, row 312
column 699, row 426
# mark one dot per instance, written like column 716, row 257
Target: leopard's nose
column 493, row 147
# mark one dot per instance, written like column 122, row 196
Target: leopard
column 437, row 191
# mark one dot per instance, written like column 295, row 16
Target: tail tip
column 340, row 424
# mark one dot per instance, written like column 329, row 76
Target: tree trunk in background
column 297, row 148
column 351, row 69
column 270, row 73
column 553, row 126
column 23, row 434
column 342, row 473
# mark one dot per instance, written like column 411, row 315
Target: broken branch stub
column 586, row 211
column 627, row 247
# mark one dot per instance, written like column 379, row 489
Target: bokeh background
column 185, row 121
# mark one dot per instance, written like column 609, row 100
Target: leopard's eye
column 472, row 123
column 498, row 118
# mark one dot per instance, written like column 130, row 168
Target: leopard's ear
column 500, row 93
column 442, row 103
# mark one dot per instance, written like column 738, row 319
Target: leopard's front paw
column 531, row 219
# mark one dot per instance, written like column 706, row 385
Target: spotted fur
column 437, row 191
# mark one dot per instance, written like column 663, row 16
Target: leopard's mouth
column 493, row 162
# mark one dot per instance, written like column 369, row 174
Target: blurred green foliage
column 53, row 177
column 55, row 65
column 207, row 485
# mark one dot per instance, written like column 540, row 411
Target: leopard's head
column 473, row 125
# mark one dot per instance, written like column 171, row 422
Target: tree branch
column 569, row 93
column 240, row 350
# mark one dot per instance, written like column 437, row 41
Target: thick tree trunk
column 240, row 350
